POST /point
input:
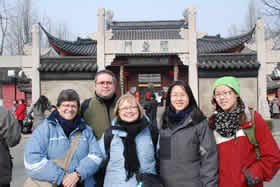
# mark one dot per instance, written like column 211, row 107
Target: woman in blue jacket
column 52, row 139
column 131, row 149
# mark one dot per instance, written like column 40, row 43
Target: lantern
column 126, row 73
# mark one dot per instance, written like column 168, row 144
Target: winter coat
column 275, row 106
column 49, row 142
column 97, row 117
column 150, row 107
column 188, row 155
column 20, row 111
column 10, row 136
column 38, row 116
column 237, row 155
column 115, row 175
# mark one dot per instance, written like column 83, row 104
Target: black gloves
column 250, row 180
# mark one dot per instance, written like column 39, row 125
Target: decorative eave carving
column 184, row 58
column 109, row 58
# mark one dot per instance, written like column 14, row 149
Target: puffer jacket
column 115, row 175
column 49, row 142
column 237, row 155
column 188, row 155
column 10, row 136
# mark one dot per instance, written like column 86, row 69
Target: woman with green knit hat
column 239, row 164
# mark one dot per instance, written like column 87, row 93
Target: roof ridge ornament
column 109, row 18
column 185, row 14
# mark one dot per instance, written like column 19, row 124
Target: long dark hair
column 196, row 113
column 42, row 103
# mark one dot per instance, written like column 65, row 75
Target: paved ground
column 19, row 176
column 18, row 172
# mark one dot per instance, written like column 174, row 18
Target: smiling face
column 179, row 98
column 128, row 111
column 226, row 98
column 105, row 86
column 68, row 110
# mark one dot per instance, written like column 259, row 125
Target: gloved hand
column 250, row 180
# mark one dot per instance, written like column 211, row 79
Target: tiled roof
column 217, row 44
column 68, row 64
column 147, row 30
column 272, row 84
column 150, row 30
column 81, row 47
column 275, row 75
column 145, row 54
column 228, row 62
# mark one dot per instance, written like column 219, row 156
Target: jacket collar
column 54, row 121
column 186, row 122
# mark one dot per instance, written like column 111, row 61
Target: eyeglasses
column 103, row 83
column 129, row 108
column 223, row 94
column 179, row 95
column 69, row 106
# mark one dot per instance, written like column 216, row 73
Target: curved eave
column 81, row 47
column 223, row 45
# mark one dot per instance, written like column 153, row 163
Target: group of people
column 115, row 135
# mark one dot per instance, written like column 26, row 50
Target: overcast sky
column 213, row 16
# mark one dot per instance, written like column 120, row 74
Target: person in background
column 98, row 110
column 131, row 149
column 38, row 110
column 275, row 108
column 51, row 140
column 188, row 151
column 239, row 164
column 9, row 137
column 150, row 106
column 14, row 107
column 20, row 112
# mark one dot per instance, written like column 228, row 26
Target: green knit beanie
column 231, row 82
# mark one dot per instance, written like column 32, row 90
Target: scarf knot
column 176, row 118
column 227, row 123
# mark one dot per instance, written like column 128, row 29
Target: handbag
column 62, row 162
column 149, row 180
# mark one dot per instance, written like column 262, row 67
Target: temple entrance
column 150, row 82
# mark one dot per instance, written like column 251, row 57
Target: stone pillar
column 35, row 63
column 101, row 39
column 193, row 75
column 176, row 72
column 122, row 79
column 263, row 107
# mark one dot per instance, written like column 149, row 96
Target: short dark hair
column 106, row 71
column 68, row 95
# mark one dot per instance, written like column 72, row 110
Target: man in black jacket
column 10, row 136
column 150, row 106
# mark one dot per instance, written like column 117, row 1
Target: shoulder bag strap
column 66, row 159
